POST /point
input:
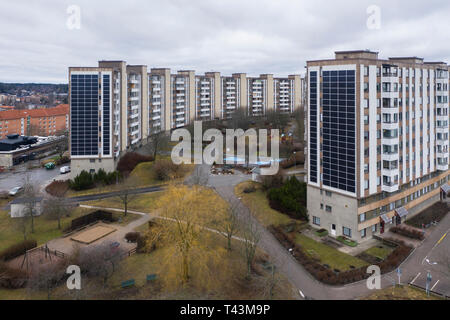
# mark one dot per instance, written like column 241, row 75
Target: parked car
column 50, row 166
column 14, row 191
column 64, row 169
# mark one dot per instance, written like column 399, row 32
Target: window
column 92, row 171
column 91, row 160
column 363, row 233
column 316, row 221
column 321, row 206
column 362, row 217
column 347, row 232
column 366, row 184
column 374, row 228
column 328, row 208
column 328, row 193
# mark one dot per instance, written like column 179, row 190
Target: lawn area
column 401, row 293
column 44, row 228
column 328, row 255
column 379, row 251
column 144, row 175
column 145, row 202
column 258, row 204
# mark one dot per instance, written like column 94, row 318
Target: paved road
column 113, row 194
column 295, row 273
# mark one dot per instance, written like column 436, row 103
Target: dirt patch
column 436, row 212
column 93, row 234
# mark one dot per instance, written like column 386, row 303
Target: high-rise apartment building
column 115, row 107
column 91, row 123
column 159, row 95
column 260, row 94
column 207, row 96
column 377, row 140
column 287, row 94
column 183, row 98
column 233, row 93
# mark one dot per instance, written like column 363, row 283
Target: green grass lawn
column 258, row 204
column 145, row 202
column 144, row 175
column 328, row 255
column 44, row 229
column 379, row 251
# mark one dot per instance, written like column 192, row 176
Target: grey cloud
column 253, row 36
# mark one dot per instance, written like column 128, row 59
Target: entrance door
column 382, row 227
column 333, row 229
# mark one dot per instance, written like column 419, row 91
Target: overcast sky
column 253, row 36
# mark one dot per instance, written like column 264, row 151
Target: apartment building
column 207, row 100
column 260, row 94
column 137, row 108
column 233, row 94
column 159, row 97
column 377, row 140
column 287, row 93
column 35, row 122
column 182, row 98
column 91, row 130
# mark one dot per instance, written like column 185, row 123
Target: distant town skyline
column 255, row 36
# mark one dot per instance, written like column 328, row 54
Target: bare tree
column 156, row 141
column 100, row 261
column 30, row 194
column 230, row 225
column 47, row 277
column 251, row 236
column 56, row 208
column 126, row 193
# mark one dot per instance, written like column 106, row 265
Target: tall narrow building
column 159, row 97
column 137, row 110
column 234, row 94
column 260, row 94
column 182, row 98
column 91, row 122
column 287, row 94
column 207, row 97
column 377, row 140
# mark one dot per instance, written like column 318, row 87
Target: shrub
column 57, row 188
column 130, row 160
column 295, row 159
column 249, row 189
column 165, row 170
column 17, row 249
column 322, row 232
column 132, row 236
column 12, row 278
column 272, row 181
column 290, row 199
column 410, row 233
column 84, row 180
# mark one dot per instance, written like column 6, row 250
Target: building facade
column 377, row 140
column 116, row 107
column 36, row 122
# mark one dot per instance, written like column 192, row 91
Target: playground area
column 36, row 258
column 93, row 233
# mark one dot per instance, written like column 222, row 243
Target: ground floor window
column 316, row 221
column 363, row 233
column 374, row 228
column 347, row 232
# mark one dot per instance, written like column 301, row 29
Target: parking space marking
column 415, row 277
column 434, row 285
column 442, row 238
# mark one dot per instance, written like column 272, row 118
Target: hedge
column 90, row 218
column 410, row 233
column 325, row 275
column 290, row 199
column 12, row 278
column 17, row 250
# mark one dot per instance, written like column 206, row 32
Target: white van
column 65, row 169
